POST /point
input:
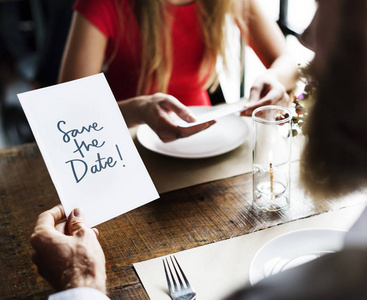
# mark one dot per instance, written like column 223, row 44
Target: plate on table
column 226, row 134
column 293, row 249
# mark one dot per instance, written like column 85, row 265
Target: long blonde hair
column 154, row 24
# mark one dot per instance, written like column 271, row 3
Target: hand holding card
column 88, row 149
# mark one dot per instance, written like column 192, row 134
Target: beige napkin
column 218, row 269
column 170, row 173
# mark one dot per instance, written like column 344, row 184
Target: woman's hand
column 155, row 110
column 67, row 253
column 264, row 36
column 266, row 90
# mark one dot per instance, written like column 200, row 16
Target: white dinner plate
column 293, row 249
column 225, row 135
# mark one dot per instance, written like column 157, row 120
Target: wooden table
column 181, row 219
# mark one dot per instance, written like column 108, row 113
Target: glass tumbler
column 271, row 157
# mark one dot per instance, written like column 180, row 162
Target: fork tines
column 175, row 275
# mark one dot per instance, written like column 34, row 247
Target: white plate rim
column 299, row 232
column 244, row 127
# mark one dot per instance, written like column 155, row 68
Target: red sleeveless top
column 123, row 72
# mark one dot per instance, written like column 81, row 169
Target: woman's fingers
column 170, row 103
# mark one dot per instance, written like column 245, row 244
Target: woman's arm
column 268, row 42
column 84, row 52
column 266, row 39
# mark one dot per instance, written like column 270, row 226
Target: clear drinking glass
column 271, row 157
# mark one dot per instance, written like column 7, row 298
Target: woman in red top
column 160, row 55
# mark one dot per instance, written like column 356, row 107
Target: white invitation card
column 88, row 149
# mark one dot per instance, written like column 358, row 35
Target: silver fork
column 182, row 292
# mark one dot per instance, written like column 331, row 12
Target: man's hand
column 67, row 253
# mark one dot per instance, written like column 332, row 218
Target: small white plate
column 226, row 134
column 293, row 249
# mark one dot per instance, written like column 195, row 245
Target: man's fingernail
column 77, row 212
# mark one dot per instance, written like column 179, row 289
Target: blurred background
column 32, row 39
